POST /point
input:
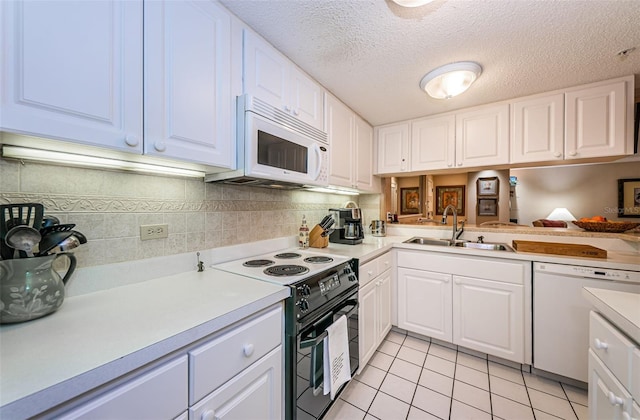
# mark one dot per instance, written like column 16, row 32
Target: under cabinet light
column 73, row 159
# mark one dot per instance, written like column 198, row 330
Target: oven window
column 279, row 153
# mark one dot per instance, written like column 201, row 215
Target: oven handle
column 311, row 342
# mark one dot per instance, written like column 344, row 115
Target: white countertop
column 621, row 308
column 100, row 336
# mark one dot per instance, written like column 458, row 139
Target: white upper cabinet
column 433, row 142
column 351, row 140
column 537, row 129
column 270, row 76
column 599, row 120
column 188, row 82
column 482, row 136
column 393, row 148
column 72, row 70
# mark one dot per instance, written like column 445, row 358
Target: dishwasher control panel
column 588, row 272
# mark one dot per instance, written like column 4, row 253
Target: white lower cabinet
column 424, row 303
column 614, row 361
column 158, row 394
column 374, row 298
column 488, row 316
column 255, row 393
column 479, row 303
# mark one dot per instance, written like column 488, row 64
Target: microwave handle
column 312, row 342
column 318, row 153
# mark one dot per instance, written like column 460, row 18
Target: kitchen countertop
column 97, row 337
column 621, row 308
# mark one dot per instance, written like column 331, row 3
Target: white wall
column 586, row 190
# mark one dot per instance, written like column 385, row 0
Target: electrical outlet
column 153, row 232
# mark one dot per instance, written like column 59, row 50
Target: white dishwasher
column 561, row 314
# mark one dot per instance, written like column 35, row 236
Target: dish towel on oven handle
column 337, row 368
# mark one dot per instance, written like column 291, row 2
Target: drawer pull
column 247, row 349
column 601, row 345
column 208, row 415
column 613, row 400
column 370, row 273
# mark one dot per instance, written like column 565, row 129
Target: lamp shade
column 561, row 213
column 451, row 79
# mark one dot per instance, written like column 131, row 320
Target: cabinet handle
column 557, row 154
column 131, row 140
column 208, row 415
column 160, row 146
column 247, row 349
column 457, row 281
column 287, row 108
column 449, row 164
column 572, row 153
column 601, row 345
column 370, row 273
column 614, row 400
column 459, row 163
column 296, row 112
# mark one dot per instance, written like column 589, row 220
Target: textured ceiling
column 373, row 53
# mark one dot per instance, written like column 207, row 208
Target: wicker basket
column 613, row 227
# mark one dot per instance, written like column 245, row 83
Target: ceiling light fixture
column 451, row 79
column 411, row 3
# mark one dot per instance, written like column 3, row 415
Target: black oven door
column 311, row 401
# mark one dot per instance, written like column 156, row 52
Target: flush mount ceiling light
column 411, row 3
column 451, row 79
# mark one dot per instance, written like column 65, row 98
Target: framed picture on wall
column 453, row 195
column 487, row 207
column 488, row 186
column 629, row 197
column 409, row 200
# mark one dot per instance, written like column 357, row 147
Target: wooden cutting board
column 574, row 250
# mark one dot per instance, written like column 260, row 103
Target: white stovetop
column 238, row 267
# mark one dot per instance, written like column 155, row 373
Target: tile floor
column 409, row 378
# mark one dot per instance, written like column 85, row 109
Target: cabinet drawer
column 611, row 347
column 222, row 358
column 368, row 271
column 158, row 394
column 384, row 262
column 256, row 393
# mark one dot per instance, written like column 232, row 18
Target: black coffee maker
column 348, row 227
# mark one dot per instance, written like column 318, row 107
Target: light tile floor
column 409, row 378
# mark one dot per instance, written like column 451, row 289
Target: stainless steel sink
column 485, row 245
column 461, row 244
column 428, row 241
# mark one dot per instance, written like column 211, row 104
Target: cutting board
column 574, row 250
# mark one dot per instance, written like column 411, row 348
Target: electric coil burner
column 257, row 263
column 287, row 255
column 285, row 270
column 318, row 260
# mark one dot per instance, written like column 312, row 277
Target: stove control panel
column 329, row 284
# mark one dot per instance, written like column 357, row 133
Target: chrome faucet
column 456, row 232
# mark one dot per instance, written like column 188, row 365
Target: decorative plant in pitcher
column 30, row 243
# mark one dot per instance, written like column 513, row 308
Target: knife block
column 316, row 240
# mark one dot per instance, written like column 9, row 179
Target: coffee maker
column 348, row 227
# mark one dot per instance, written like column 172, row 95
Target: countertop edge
column 607, row 307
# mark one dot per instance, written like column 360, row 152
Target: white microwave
column 275, row 149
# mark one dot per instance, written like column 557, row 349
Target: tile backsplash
column 109, row 207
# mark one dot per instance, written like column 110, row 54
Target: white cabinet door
column 367, row 323
column 488, row 317
column 433, row 142
column 158, row 394
column 393, row 148
column 537, row 129
column 72, row 70
column 425, row 303
column 306, row 98
column 270, row 76
column 339, row 127
column 188, row 82
column 255, row 393
column 482, row 136
column 363, row 155
column 597, row 121
column 607, row 397
column 383, row 291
